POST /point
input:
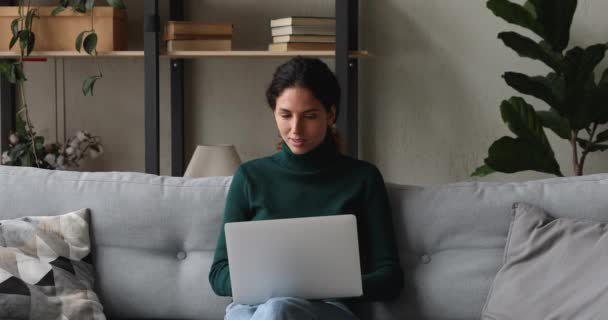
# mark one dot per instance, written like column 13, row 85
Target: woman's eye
column 285, row 116
column 312, row 116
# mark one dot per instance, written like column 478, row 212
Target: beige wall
column 429, row 95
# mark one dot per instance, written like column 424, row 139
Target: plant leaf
column 20, row 126
column 529, row 5
column 79, row 6
column 602, row 136
column 581, row 62
column 12, row 75
column 79, row 40
column 39, row 144
column 23, row 38
column 57, row 10
column 26, row 160
column 5, row 70
column 594, row 146
column 527, row 48
column 482, row 171
column 604, row 78
column 90, row 43
column 511, row 155
column 31, row 42
column 88, row 84
column 522, row 120
column 544, row 88
column 13, row 41
column 555, row 17
column 515, row 14
column 583, row 99
column 89, row 4
column 118, row 4
column 19, row 75
column 31, row 14
column 558, row 124
column 15, row 27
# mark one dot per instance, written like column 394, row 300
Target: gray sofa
column 153, row 237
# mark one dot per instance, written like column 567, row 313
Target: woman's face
column 302, row 120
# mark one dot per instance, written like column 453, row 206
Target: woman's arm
column 237, row 209
column 385, row 277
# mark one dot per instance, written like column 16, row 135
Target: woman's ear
column 331, row 116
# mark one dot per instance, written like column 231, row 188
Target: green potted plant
column 577, row 99
column 26, row 148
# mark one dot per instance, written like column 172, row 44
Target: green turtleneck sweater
column 321, row 182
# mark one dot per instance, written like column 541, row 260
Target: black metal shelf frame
column 346, row 68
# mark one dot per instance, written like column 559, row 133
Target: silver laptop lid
column 310, row 258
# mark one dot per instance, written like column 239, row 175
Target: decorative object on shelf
column 198, row 36
column 29, row 150
column 303, row 33
column 213, row 160
column 577, row 103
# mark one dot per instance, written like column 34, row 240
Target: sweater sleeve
column 385, row 279
column 237, row 209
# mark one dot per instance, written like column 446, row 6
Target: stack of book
column 198, row 36
column 303, row 33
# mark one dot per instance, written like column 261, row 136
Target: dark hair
column 309, row 73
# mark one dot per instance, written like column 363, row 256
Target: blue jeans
column 291, row 309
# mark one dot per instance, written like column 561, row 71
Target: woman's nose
column 296, row 125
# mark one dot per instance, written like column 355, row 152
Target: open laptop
column 310, row 258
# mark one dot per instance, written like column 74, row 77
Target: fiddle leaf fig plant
column 577, row 101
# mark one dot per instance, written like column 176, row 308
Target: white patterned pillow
column 46, row 270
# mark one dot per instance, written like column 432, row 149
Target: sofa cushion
column 45, row 269
column 552, row 269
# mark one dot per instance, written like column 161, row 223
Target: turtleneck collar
column 324, row 155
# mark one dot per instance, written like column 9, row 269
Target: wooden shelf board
column 183, row 54
column 74, row 54
column 260, row 54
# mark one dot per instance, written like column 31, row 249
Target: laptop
column 310, row 258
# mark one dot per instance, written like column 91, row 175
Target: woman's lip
column 298, row 142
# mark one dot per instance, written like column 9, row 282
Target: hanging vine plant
column 26, row 148
column 87, row 39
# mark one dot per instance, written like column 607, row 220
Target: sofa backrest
column 452, row 238
column 153, row 237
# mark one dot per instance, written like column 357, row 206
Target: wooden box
column 58, row 33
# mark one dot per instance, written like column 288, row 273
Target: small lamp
column 213, row 160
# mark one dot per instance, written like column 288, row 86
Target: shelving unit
column 183, row 54
column 346, row 69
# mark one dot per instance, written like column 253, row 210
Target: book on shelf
column 191, row 28
column 301, row 46
column 303, row 21
column 304, row 38
column 199, row 45
column 303, row 30
column 167, row 37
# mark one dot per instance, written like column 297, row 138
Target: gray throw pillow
column 45, row 268
column 553, row 269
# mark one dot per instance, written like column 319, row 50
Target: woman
column 309, row 175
